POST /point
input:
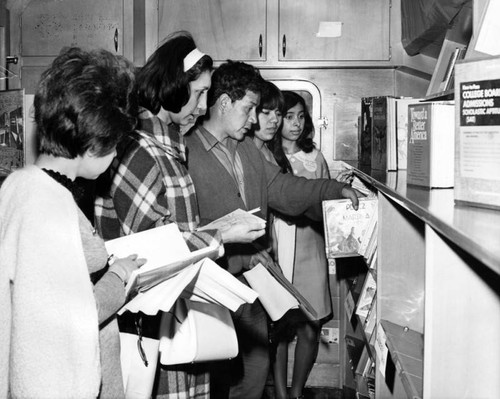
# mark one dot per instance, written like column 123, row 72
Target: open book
column 237, row 216
column 276, row 293
column 166, row 253
column 172, row 271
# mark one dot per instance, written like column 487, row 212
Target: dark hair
column 84, row 101
column 234, row 78
column 304, row 142
column 271, row 97
column 162, row 82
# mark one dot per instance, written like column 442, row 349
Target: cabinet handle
column 115, row 39
column 12, row 59
column 283, row 45
column 260, row 45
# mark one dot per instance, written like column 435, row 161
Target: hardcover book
column 477, row 148
column 346, row 228
column 389, row 132
column 402, row 130
column 431, row 137
column 365, row 132
column 383, row 134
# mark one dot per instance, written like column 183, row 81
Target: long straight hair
column 304, row 142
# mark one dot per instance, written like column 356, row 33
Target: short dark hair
column 84, row 101
column 271, row 97
column 162, row 82
column 234, row 78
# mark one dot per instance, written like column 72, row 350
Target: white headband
column 192, row 58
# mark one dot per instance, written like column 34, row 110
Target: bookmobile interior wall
column 337, row 52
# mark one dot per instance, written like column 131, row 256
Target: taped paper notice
column 329, row 29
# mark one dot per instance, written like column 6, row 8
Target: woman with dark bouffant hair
column 58, row 331
column 149, row 184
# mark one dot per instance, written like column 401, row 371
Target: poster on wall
column 12, row 131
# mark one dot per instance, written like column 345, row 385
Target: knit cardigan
column 48, row 320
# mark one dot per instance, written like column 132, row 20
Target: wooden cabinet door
column 224, row 29
column 40, row 29
column 334, row 30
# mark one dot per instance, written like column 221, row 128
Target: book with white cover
column 276, row 293
column 165, row 251
column 172, row 271
column 237, row 216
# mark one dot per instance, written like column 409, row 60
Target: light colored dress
column 310, row 268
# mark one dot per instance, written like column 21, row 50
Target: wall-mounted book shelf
column 438, row 301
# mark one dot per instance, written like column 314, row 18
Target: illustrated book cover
column 12, row 131
column 477, row 121
column 346, row 228
column 431, row 143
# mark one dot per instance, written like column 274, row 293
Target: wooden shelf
column 406, row 348
column 476, row 230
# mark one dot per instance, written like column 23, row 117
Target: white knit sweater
column 48, row 319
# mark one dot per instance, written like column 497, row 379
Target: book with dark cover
column 380, row 129
column 365, row 133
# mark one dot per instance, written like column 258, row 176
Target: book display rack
column 437, row 298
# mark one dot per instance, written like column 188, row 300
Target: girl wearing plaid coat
column 149, row 184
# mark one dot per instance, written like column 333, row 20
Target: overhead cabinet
column 40, row 29
column 225, row 29
column 336, row 30
column 268, row 32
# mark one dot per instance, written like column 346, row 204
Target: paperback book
column 346, row 229
column 366, row 297
column 276, row 293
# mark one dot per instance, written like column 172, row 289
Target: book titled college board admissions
column 477, row 127
column 346, row 229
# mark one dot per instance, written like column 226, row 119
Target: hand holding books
column 239, row 226
column 124, row 267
